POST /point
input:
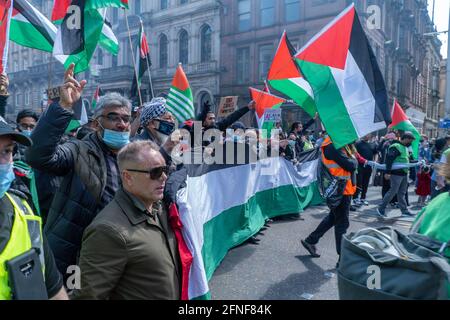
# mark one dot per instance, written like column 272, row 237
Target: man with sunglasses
column 129, row 251
column 90, row 170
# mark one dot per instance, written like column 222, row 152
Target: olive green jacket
column 127, row 254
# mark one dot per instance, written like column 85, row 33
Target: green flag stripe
column 186, row 107
column 329, row 103
column 296, row 93
column 26, row 35
column 180, row 110
column 186, row 97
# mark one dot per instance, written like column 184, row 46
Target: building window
column 183, row 1
column 27, row 98
column 114, row 61
column 244, row 16
column 206, row 44
column 292, row 10
column 115, row 15
column 267, row 17
column 163, row 57
column 137, row 6
column 184, row 47
column 163, row 4
column 100, row 57
column 243, row 65
column 18, row 99
column 265, row 59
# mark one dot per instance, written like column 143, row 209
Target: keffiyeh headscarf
column 153, row 110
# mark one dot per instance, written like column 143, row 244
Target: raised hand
column 71, row 90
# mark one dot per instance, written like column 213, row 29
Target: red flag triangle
column 264, row 101
column 330, row 47
column 283, row 65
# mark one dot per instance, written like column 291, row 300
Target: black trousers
column 362, row 182
column 337, row 218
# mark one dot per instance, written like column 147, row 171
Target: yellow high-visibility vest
column 26, row 233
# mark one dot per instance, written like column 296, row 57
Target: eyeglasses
column 155, row 173
column 114, row 117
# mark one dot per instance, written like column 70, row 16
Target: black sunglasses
column 155, row 173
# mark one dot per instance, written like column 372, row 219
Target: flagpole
column 132, row 58
column 148, row 64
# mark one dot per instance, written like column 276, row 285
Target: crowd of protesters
column 97, row 193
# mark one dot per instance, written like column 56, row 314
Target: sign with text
column 227, row 106
column 272, row 115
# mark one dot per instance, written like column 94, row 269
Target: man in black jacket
column 91, row 174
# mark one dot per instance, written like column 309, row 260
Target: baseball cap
column 6, row 130
column 408, row 135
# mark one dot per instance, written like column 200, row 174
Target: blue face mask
column 115, row 139
column 6, row 177
column 292, row 143
column 26, row 133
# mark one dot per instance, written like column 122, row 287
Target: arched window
column 206, row 46
column 184, row 47
column 163, row 57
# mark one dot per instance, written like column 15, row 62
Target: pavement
column 279, row 268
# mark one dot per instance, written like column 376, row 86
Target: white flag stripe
column 186, row 99
column 181, row 104
column 177, row 110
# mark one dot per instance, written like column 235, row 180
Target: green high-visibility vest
column 404, row 154
column 26, row 233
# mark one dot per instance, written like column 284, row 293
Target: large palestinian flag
column 217, row 207
column 400, row 121
column 107, row 41
column 285, row 76
column 180, row 101
column 264, row 101
column 30, row 28
column 76, row 43
column 348, row 86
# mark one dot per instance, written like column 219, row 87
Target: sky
column 441, row 16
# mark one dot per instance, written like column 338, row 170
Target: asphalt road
column 278, row 267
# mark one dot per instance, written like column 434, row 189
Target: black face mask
column 408, row 144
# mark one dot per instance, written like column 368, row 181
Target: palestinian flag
column 264, row 101
column 6, row 9
column 285, row 76
column 97, row 94
column 143, row 61
column 348, row 86
column 180, row 101
column 217, row 207
column 30, row 28
column 77, row 45
column 96, row 4
column 108, row 39
column 400, row 121
column 79, row 117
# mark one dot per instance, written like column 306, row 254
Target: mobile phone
column 26, row 279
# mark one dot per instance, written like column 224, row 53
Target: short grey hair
column 132, row 153
column 111, row 99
